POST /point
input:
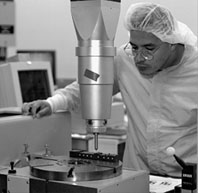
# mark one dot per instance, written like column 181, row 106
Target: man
column 157, row 75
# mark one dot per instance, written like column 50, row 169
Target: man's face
column 150, row 53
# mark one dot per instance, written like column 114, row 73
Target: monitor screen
column 42, row 55
column 34, row 85
column 24, row 82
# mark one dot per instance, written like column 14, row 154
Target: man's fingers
column 43, row 112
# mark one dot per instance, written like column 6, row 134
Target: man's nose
column 139, row 57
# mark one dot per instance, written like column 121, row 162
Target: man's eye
column 150, row 48
column 134, row 48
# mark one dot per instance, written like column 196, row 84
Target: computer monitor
column 24, row 82
column 42, row 55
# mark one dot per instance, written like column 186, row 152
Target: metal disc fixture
column 80, row 166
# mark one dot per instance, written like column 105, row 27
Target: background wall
column 47, row 25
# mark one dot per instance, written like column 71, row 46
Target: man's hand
column 37, row 109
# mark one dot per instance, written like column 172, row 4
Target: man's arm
column 67, row 98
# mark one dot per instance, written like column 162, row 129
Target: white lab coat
column 161, row 112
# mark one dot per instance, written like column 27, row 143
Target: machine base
column 128, row 182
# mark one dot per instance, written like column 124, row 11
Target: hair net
column 158, row 20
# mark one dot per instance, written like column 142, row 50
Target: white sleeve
column 67, row 98
column 57, row 102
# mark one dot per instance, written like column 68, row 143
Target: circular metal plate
column 74, row 169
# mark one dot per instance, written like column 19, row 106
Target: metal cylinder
column 95, row 23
